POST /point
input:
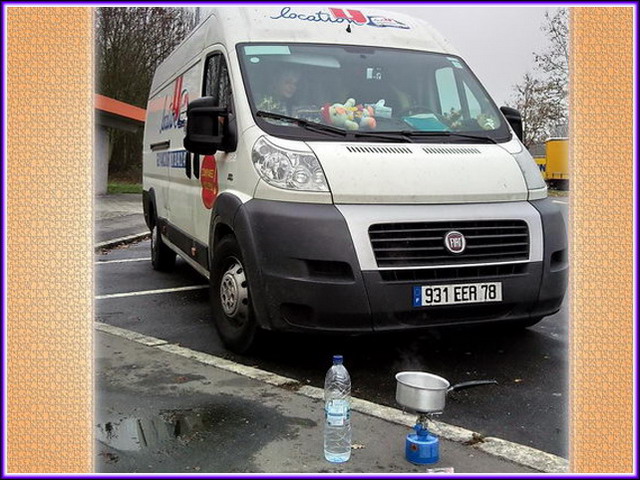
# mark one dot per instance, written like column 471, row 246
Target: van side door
column 155, row 166
column 211, row 170
column 185, row 88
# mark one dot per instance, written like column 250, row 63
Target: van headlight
column 289, row 169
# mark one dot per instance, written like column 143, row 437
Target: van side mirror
column 515, row 120
column 205, row 126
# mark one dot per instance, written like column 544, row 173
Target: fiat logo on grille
column 455, row 242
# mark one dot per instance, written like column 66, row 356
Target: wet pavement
column 161, row 412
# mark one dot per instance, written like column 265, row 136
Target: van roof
column 302, row 24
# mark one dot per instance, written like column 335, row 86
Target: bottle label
column 337, row 412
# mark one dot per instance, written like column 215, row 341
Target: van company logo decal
column 338, row 15
column 209, row 181
column 174, row 113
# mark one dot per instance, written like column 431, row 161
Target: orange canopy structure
column 111, row 113
column 116, row 114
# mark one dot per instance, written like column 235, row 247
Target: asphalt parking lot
column 528, row 406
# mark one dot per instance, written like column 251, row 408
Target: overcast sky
column 497, row 42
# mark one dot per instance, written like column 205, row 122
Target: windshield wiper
column 405, row 136
column 323, row 128
column 479, row 138
column 313, row 126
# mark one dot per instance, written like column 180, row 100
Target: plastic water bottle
column 337, row 407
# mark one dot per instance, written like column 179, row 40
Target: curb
column 122, row 240
column 511, row 451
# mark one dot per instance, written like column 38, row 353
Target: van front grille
column 454, row 273
column 422, row 243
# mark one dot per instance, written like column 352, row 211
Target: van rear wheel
column 163, row 258
column 230, row 298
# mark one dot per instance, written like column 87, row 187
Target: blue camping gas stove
column 425, row 393
column 422, row 447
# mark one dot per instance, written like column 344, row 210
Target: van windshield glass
column 365, row 89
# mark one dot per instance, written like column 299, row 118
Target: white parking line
column 130, row 335
column 515, row 452
column 151, row 292
column 123, row 260
column 560, row 201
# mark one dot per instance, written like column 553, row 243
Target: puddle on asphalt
column 140, row 433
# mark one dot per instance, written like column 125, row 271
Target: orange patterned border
column 49, row 239
column 602, row 239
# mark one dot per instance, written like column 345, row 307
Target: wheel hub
column 234, row 294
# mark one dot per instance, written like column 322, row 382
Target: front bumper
column 305, row 275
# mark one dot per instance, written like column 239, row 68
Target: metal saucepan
column 425, row 392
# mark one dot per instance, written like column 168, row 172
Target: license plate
column 426, row 296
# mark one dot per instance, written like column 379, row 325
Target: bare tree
column 542, row 95
column 534, row 101
column 130, row 43
column 554, row 61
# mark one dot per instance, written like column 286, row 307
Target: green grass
column 115, row 187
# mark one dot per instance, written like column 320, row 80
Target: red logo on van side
column 209, row 181
column 174, row 115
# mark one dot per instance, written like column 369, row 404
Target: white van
column 343, row 170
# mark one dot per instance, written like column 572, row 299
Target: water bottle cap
column 337, row 359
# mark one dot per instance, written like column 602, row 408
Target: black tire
column 163, row 258
column 230, row 298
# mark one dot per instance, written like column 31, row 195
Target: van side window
column 462, row 103
column 474, row 105
column 216, row 80
column 447, row 90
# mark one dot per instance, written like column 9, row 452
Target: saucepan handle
column 472, row 383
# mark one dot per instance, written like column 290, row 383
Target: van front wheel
column 230, row 298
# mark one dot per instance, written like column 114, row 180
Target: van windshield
column 369, row 92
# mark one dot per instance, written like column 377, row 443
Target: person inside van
column 281, row 96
